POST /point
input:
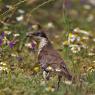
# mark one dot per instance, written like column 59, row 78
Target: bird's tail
column 67, row 73
column 69, row 76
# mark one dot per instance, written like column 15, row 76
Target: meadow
column 70, row 26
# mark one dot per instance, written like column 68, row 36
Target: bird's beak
column 29, row 34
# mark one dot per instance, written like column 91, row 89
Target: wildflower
column 36, row 69
column 2, row 35
column 85, row 38
column 2, row 63
column 84, row 46
column 16, row 35
column 78, row 39
column 50, row 25
column 28, row 45
column 5, row 40
column 73, row 37
column 75, row 48
column 0, row 68
column 3, row 69
column 8, row 32
column 50, row 89
column 33, row 44
column 36, row 26
column 21, row 11
column 13, row 55
column 93, row 39
column 90, row 18
column 65, row 43
column 91, row 54
column 3, row 66
column 20, row 18
column 77, row 30
column 87, row 7
column 11, row 44
column 91, row 69
column 56, row 36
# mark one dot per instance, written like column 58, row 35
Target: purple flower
column 11, row 44
column 33, row 45
column 1, row 42
column 2, row 35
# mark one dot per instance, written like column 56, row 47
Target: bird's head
column 39, row 35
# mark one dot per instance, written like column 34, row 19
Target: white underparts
column 43, row 42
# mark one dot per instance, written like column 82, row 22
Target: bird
column 49, row 59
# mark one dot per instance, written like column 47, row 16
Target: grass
column 20, row 73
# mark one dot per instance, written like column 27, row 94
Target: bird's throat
column 43, row 42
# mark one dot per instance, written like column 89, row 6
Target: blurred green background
column 70, row 26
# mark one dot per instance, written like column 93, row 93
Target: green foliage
column 71, row 29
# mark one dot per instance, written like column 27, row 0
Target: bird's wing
column 50, row 56
column 57, row 63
